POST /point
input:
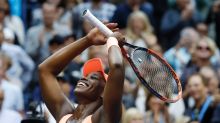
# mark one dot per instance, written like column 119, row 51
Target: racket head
column 153, row 72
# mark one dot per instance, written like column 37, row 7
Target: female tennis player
column 99, row 95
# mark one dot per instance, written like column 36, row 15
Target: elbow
column 116, row 65
column 41, row 69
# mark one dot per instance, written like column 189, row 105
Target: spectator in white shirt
column 6, row 115
column 13, row 95
column 38, row 37
column 22, row 65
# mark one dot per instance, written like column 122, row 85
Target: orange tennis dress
column 66, row 117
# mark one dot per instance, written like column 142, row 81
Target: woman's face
column 196, row 87
column 203, row 51
column 137, row 25
column 213, row 85
column 90, row 87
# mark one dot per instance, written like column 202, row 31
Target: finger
column 105, row 22
column 112, row 25
column 115, row 30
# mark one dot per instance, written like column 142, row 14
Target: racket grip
column 97, row 23
column 112, row 41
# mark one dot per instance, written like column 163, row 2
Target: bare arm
column 48, row 70
column 54, row 98
column 114, row 86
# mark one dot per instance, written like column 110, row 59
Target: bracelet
column 112, row 41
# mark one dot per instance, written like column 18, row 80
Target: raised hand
column 96, row 37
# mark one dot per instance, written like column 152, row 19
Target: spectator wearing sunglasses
column 202, row 54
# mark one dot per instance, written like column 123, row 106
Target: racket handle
column 112, row 41
column 97, row 23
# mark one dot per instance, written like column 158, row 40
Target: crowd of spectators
column 185, row 32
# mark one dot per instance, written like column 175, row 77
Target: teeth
column 81, row 84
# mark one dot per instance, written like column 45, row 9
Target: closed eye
column 95, row 77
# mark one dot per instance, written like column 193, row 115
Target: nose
column 84, row 79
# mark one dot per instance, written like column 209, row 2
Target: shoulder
column 9, row 85
column 62, row 29
column 34, row 29
column 13, row 19
column 14, row 48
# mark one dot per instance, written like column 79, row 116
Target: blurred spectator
column 157, row 111
column 22, row 65
column 202, row 52
column 102, row 10
column 139, row 30
column 38, row 36
column 13, row 94
column 64, row 13
column 202, row 111
column 125, row 9
column 129, row 94
column 212, row 80
column 179, row 55
column 12, row 22
column 174, row 20
column 132, row 115
column 214, row 16
column 37, row 14
column 7, row 115
column 202, row 29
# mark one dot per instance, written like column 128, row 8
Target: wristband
column 112, row 41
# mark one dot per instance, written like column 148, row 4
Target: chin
column 79, row 91
column 196, row 97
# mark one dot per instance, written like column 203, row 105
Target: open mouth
column 82, row 84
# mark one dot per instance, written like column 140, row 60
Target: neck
column 96, row 4
column 84, row 110
column 48, row 27
column 203, row 62
column 200, row 101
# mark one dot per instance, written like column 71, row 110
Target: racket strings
column 155, row 73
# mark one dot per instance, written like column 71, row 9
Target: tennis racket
column 151, row 69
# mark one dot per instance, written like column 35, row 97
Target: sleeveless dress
column 66, row 117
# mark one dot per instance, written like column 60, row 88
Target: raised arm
column 114, row 86
column 54, row 98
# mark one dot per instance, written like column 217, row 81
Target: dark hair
column 57, row 39
column 204, row 82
